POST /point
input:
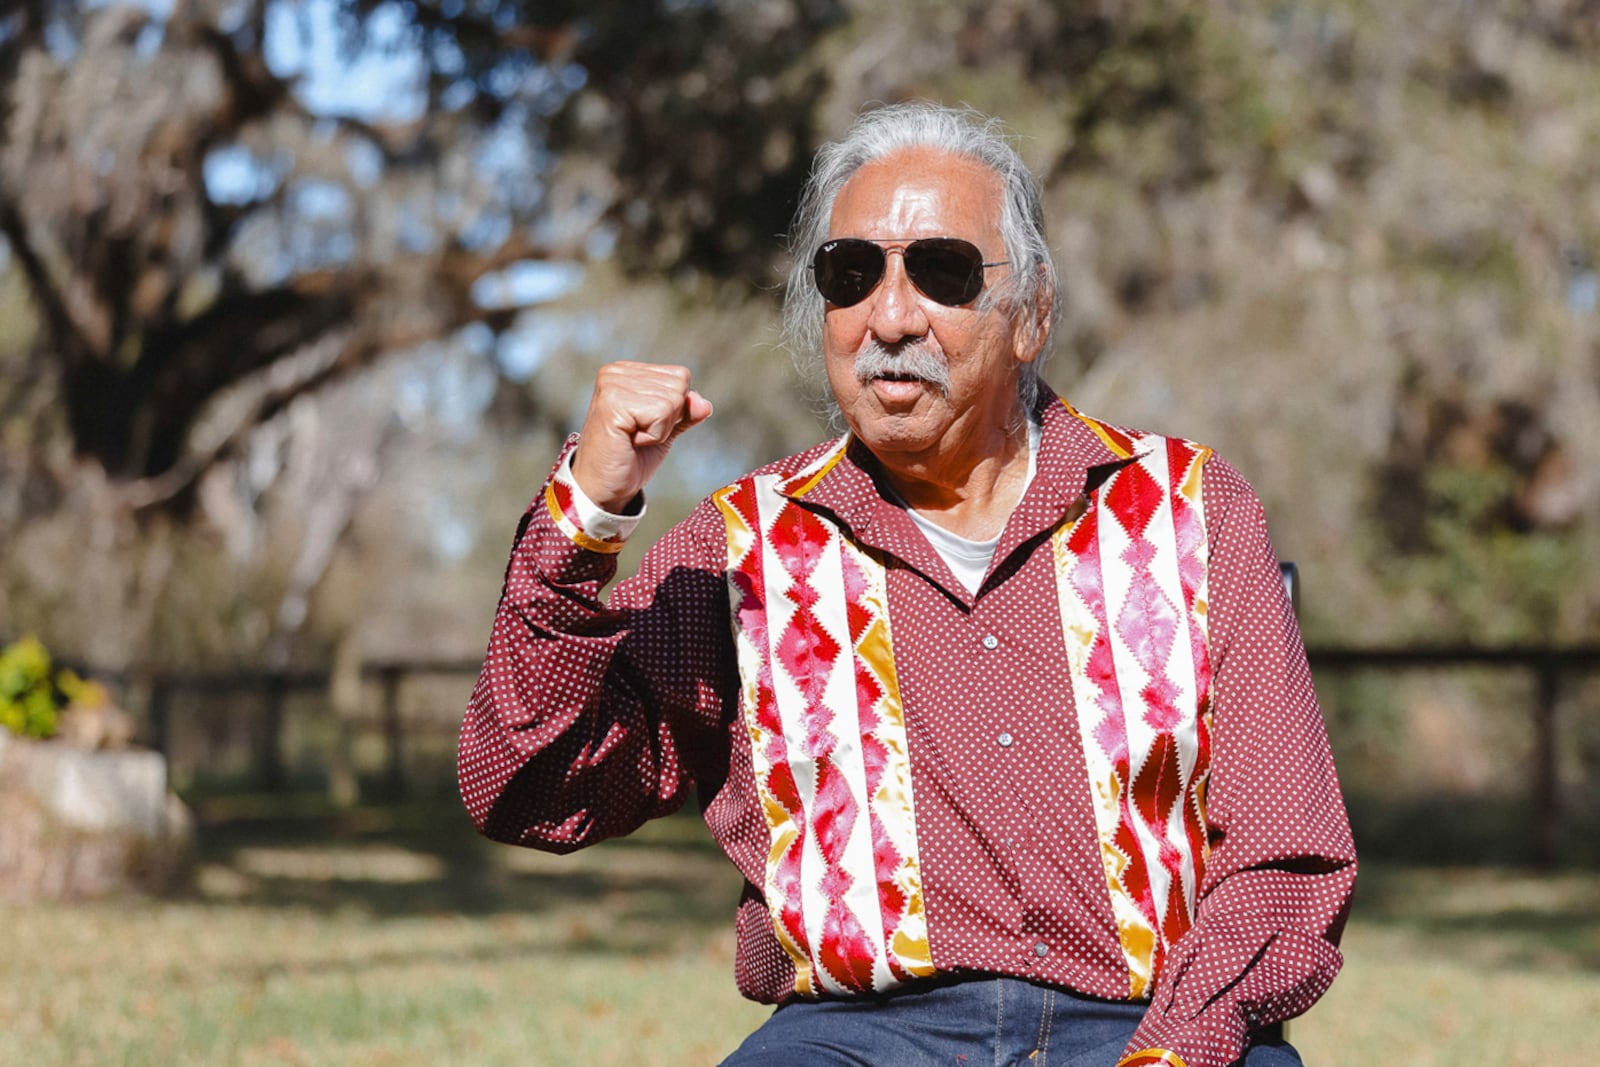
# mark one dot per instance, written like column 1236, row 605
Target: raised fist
column 637, row 411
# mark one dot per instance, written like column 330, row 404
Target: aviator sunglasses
column 946, row 269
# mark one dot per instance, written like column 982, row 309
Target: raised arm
column 590, row 717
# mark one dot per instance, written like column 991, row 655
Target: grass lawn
column 394, row 936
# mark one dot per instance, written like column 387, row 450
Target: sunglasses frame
column 910, row 257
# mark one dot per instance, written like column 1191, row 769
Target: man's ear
column 1030, row 328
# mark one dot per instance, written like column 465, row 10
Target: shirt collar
column 848, row 485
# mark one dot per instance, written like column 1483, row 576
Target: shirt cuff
column 586, row 523
column 1216, row 1039
column 1152, row 1057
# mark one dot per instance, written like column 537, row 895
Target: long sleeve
column 590, row 717
column 1278, row 880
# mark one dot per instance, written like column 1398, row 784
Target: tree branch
column 52, row 305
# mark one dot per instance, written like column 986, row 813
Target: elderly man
column 1000, row 709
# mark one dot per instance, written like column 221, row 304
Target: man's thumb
column 697, row 409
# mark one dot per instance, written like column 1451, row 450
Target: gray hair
column 897, row 127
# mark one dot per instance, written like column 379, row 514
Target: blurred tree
column 192, row 232
column 206, row 231
column 1322, row 216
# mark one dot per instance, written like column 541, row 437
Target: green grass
column 395, row 936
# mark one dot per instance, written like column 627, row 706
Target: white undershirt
column 969, row 560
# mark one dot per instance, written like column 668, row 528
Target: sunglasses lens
column 948, row 269
column 846, row 270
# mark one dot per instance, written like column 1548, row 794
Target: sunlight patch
column 381, row 863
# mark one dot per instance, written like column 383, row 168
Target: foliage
column 31, row 693
column 1339, row 241
column 166, row 294
column 1474, row 519
column 1496, row 583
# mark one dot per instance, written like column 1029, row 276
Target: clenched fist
column 637, row 410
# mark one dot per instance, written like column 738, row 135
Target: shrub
column 30, row 692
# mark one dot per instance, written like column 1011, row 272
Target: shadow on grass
column 1469, row 830
column 1505, row 917
column 1459, row 873
column 573, row 943
column 669, row 881
column 425, row 858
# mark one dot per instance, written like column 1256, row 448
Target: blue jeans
column 987, row 1021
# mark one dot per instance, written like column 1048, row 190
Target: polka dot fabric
column 590, row 717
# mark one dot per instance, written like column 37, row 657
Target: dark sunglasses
column 946, row 269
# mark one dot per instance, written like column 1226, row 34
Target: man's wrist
column 603, row 504
column 580, row 518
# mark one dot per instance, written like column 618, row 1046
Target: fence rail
column 160, row 688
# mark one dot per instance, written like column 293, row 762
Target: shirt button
column 1005, row 740
column 1041, row 949
column 991, row 642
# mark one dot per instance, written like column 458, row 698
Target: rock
column 77, row 823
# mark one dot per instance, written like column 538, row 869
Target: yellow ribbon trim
column 1152, row 1057
column 570, row 528
column 1106, row 439
column 822, row 472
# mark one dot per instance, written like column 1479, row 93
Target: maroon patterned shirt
column 591, row 717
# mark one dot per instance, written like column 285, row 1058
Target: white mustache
column 913, row 360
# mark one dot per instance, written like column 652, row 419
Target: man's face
column 912, row 423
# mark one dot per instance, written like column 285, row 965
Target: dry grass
column 1464, row 967
column 393, row 936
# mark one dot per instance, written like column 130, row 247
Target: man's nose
column 896, row 312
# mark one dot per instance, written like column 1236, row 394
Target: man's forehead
column 919, row 190
column 922, row 165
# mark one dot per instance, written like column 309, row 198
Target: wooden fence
column 156, row 694
column 1550, row 669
